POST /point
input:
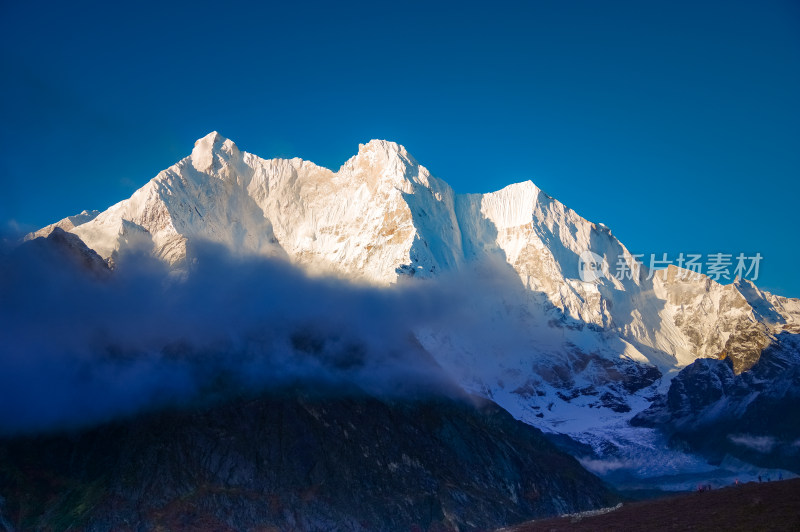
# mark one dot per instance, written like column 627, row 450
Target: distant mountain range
column 578, row 358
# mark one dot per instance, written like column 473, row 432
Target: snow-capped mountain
column 383, row 215
column 592, row 354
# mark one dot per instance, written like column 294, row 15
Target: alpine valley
column 658, row 380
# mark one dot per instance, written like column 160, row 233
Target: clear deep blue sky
column 677, row 124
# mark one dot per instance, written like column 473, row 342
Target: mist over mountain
column 84, row 344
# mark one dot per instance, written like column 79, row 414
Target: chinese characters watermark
column 718, row 267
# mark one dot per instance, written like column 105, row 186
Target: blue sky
column 677, row 124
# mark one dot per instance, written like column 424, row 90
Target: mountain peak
column 212, row 139
column 381, row 153
column 384, row 149
column 526, row 186
column 380, row 145
column 206, row 147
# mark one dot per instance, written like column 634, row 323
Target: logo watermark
column 716, row 266
column 592, row 267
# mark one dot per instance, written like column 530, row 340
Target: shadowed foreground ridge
column 754, row 506
column 296, row 461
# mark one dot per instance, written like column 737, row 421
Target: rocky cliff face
column 60, row 245
column 297, row 461
column 735, row 321
column 750, row 415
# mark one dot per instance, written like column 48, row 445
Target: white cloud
column 762, row 444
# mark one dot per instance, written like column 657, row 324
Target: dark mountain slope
column 296, row 461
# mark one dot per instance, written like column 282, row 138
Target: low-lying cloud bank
column 77, row 348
